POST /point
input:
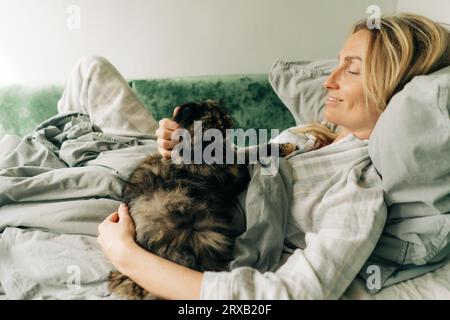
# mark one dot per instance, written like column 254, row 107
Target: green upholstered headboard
column 249, row 99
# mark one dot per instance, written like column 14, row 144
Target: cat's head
column 211, row 113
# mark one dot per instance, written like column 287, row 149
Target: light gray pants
column 96, row 88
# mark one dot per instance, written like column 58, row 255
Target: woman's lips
column 332, row 100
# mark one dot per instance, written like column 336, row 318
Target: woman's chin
column 328, row 115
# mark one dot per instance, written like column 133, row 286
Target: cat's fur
column 182, row 212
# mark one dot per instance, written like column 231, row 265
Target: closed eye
column 349, row 68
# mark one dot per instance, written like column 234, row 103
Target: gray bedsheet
column 56, row 185
column 60, row 181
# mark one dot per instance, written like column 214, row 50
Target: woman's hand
column 116, row 235
column 164, row 134
column 157, row 275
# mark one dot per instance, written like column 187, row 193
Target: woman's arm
column 333, row 256
column 157, row 275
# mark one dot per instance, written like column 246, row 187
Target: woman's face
column 345, row 101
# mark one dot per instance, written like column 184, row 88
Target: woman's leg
column 97, row 89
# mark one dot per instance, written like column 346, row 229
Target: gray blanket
column 60, row 181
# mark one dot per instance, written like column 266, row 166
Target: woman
column 374, row 64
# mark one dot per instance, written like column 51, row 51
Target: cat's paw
column 287, row 148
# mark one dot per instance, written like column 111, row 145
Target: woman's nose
column 330, row 82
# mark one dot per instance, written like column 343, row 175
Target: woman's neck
column 341, row 133
column 362, row 135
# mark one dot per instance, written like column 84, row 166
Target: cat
column 183, row 212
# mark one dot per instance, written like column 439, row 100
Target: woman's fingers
column 166, row 144
column 165, row 147
column 164, row 134
column 165, row 153
column 168, row 124
column 114, row 217
column 123, row 212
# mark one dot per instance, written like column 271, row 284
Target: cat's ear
column 175, row 111
column 183, row 113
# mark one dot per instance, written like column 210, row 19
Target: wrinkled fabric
column 61, row 180
column 56, row 185
column 337, row 215
column 64, row 178
column 413, row 158
column 264, row 206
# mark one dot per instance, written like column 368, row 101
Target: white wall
column 165, row 38
column 438, row 10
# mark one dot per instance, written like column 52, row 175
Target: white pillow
column 299, row 85
column 410, row 148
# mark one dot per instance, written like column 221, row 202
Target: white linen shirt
column 338, row 214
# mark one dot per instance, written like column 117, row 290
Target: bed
column 63, row 228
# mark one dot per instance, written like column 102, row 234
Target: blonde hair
column 405, row 45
